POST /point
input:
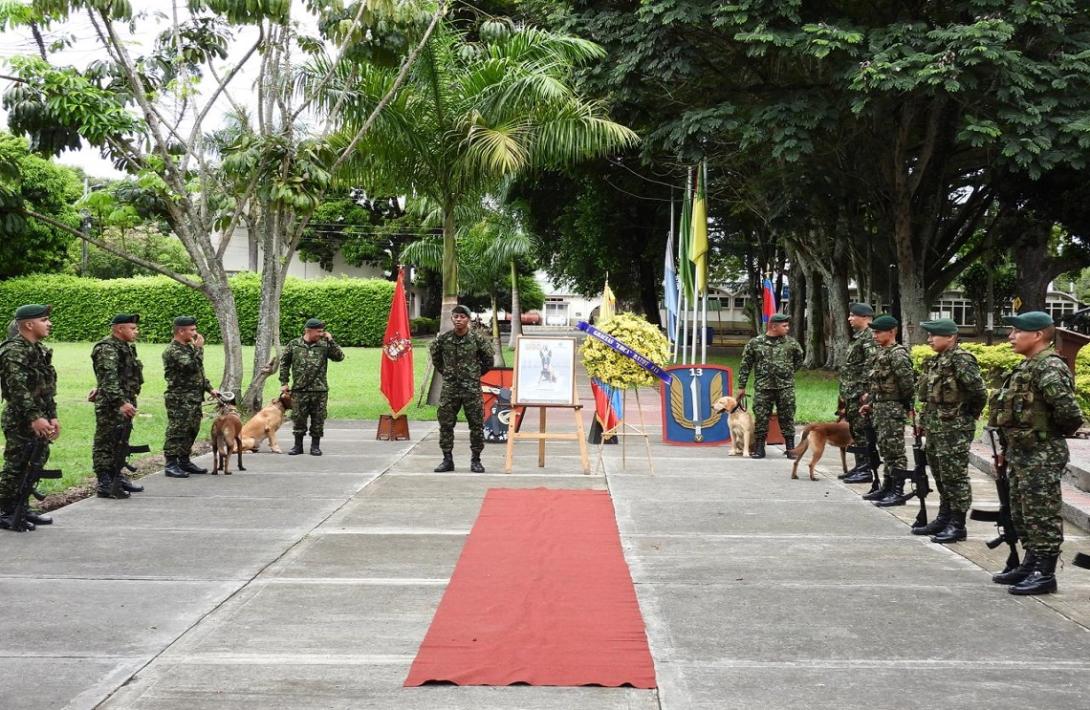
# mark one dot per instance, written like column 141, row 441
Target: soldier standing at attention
column 853, row 383
column 183, row 367
column 304, row 363
column 773, row 357
column 119, row 375
column 953, row 396
column 890, row 390
column 1035, row 409
column 29, row 385
column 461, row 356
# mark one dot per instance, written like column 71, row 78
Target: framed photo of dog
column 544, row 372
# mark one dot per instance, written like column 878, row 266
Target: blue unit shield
column 687, row 414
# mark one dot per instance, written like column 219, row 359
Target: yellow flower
column 613, row 368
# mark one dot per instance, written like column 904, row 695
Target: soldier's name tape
column 628, row 352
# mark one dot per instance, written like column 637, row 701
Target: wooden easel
column 541, row 435
column 625, row 429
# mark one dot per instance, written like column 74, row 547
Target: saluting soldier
column 28, row 382
column 304, row 364
column 773, row 358
column 461, row 356
column 953, row 396
column 853, row 383
column 1035, row 409
column 890, row 389
column 119, row 375
column 183, row 367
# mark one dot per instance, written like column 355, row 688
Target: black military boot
column 475, row 464
column 188, row 466
column 173, row 469
column 33, row 516
column 128, row 486
column 298, row 448
column 862, row 475
column 1019, row 573
column 861, row 464
column 108, row 488
column 1042, row 580
column 447, row 465
column 883, row 491
column 895, row 496
column 314, row 448
column 938, row 524
column 954, row 530
column 758, row 449
column 788, row 444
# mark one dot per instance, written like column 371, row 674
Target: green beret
column 314, row 323
column 779, row 318
column 1030, row 320
column 884, row 322
column 464, row 310
column 861, row 309
column 940, row 326
column 124, row 318
column 32, row 310
column 182, row 321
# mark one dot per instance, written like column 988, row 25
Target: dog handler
column 773, row 357
column 183, row 367
column 305, row 362
column 119, row 375
column 853, row 383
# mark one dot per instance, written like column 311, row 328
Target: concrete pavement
column 307, row 582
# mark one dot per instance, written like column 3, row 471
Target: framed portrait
column 544, row 371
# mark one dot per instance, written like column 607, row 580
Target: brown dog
column 265, row 424
column 741, row 425
column 836, row 433
column 226, row 428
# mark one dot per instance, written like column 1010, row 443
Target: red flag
column 768, row 301
column 397, row 352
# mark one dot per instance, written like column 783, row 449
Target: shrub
column 424, row 326
column 355, row 310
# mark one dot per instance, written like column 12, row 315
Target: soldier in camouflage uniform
column 119, row 375
column 304, row 363
column 953, row 396
column 1035, row 409
column 773, row 358
column 853, row 383
column 891, row 385
column 461, row 356
column 28, row 382
column 183, row 367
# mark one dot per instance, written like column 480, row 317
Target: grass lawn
column 815, row 390
column 354, row 394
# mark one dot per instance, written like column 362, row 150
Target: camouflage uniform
column 120, row 375
column 30, row 388
column 461, row 360
column 954, row 395
column 183, row 367
column 1035, row 408
column 854, row 375
column 773, row 362
column 305, row 364
column 891, row 383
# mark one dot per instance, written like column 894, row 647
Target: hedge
column 355, row 310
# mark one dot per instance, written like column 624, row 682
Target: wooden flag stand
column 391, row 428
column 624, row 429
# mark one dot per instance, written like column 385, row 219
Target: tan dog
column 226, row 428
column 741, row 425
column 838, row 434
column 265, row 424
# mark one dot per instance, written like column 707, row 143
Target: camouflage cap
column 940, row 326
column 182, row 321
column 1030, row 320
column 464, row 310
column 780, row 318
column 884, row 322
column 861, row 309
column 125, row 318
column 32, row 310
column 314, row 323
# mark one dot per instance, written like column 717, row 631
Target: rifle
column 1081, row 560
column 28, row 485
column 917, row 475
column 122, row 449
column 873, row 457
column 1002, row 517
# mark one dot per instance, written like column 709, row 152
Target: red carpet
column 541, row 595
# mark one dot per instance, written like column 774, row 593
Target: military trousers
column 857, row 423
column 18, row 439
column 1034, row 475
column 947, row 448
column 889, row 424
column 107, row 419
column 783, row 400
column 183, row 423
column 450, row 401
column 308, row 406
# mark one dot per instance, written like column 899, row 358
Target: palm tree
column 472, row 113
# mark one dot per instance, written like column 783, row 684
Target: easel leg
column 582, row 441
column 646, row 438
column 541, row 441
column 624, row 439
column 511, row 435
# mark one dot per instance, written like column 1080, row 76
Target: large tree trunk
column 800, row 326
column 497, row 342
column 838, row 304
column 815, row 318
column 1035, row 268
column 450, row 290
column 649, row 292
column 913, row 306
column 516, row 307
column 267, row 338
column 219, row 293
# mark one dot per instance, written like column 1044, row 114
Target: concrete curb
column 1076, row 503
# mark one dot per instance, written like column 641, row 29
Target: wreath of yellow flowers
column 613, row 368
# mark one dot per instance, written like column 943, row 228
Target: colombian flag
column 608, row 409
column 768, row 301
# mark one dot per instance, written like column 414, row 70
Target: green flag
column 684, row 244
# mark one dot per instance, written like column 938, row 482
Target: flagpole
column 704, row 329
